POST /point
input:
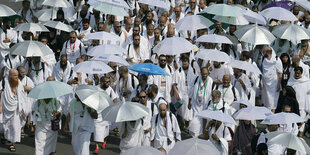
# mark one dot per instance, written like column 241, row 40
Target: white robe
column 61, row 74
column 120, row 88
column 147, row 123
column 102, row 127
column 81, row 127
column 301, row 87
column 183, row 85
column 200, row 95
column 243, row 94
column 227, row 94
column 160, row 133
column 271, row 69
column 45, row 137
column 144, row 53
column 134, row 136
column 11, row 63
column 165, row 88
column 4, row 47
column 224, row 135
column 29, row 102
column 11, row 107
column 273, row 149
column 39, row 77
column 73, row 50
column 218, row 73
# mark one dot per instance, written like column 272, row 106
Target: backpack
column 153, row 104
column 6, row 58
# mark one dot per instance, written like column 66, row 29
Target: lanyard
column 214, row 107
column 224, row 92
column 204, row 93
column 72, row 47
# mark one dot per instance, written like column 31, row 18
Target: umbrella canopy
column 283, row 4
column 291, row 32
column 240, row 20
column 282, row 118
column 110, row 9
column 254, row 17
column 156, row 3
column 93, row 97
column 31, row 27
column 143, row 150
column 103, row 36
column 57, row 3
column 118, row 3
column 124, row 111
column 192, row 23
column 106, row 49
column 31, row 49
column 58, row 25
column 217, row 115
column 46, row 14
column 194, row 146
column 288, row 140
column 303, row 3
column 243, row 65
column 236, row 104
column 254, row 34
column 171, row 46
column 92, row 67
column 214, row 38
column 50, row 89
column 252, row 113
column 279, row 14
column 6, row 11
column 213, row 55
column 111, row 58
column 223, row 10
column 148, row 69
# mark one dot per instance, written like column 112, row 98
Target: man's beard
column 63, row 65
column 162, row 65
column 163, row 115
column 150, row 95
column 13, row 82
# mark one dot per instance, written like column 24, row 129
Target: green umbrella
column 50, row 89
column 223, row 10
column 210, row 17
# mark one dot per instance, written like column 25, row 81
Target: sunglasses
column 142, row 96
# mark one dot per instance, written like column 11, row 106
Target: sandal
column 97, row 150
column 22, row 135
column 12, row 148
column 104, row 145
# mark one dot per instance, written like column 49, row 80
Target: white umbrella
column 216, row 115
column 103, row 36
column 118, row 3
column 173, row 46
column 92, row 67
column 243, row 65
column 124, row 111
column 291, row 32
column 57, row 3
column 157, row 3
column 223, row 10
column 31, row 49
column 58, row 25
column 288, row 140
column 142, row 150
column 252, row 113
column 93, row 97
column 6, row 11
column 192, row 23
column 303, row 3
column 254, row 34
column 110, row 9
column 213, row 55
column 254, row 17
column 46, row 14
column 50, row 89
column 111, row 58
column 279, row 14
column 194, row 146
column 282, row 118
column 236, row 104
column 240, row 20
column 214, row 38
column 106, row 49
column 31, row 27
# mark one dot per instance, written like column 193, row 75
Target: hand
column 22, row 113
column 189, row 106
column 278, row 87
column 53, row 42
column 45, row 63
column 129, row 59
column 81, row 36
column 6, row 40
column 240, row 81
column 215, row 137
column 218, row 82
column 147, row 131
column 87, row 80
column 0, row 110
column 210, row 69
column 26, row 88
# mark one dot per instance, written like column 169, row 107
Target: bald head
column 295, row 60
column 50, row 78
column 226, row 80
column 162, row 110
column 13, row 72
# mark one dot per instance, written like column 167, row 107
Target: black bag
column 55, row 124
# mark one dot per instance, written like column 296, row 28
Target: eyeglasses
column 135, row 30
column 142, row 96
column 106, row 81
column 163, row 60
column 72, row 37
column 118, row 26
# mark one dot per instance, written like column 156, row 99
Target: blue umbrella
column 148, row 69
column 283, row 4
